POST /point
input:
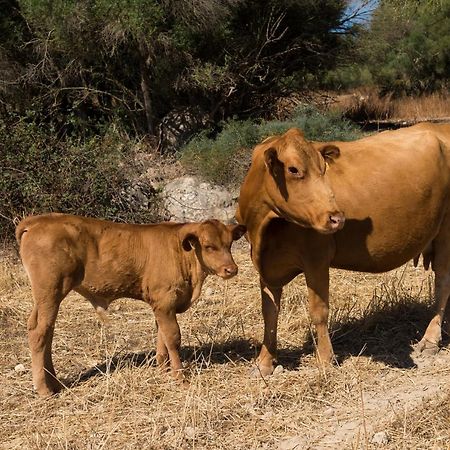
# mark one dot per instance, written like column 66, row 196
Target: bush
column 225, row 159
column 40, row 173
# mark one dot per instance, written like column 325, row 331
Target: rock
column 20, row 368
column 380, row 438
column 278, row 369
column 189, row 432
column 188, row 199
column 291, row 444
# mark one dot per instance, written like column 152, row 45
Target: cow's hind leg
column 429, row 344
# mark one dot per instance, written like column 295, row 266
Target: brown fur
column 163, row 264
column 393, row 189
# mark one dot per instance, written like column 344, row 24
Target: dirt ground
column 378, row 394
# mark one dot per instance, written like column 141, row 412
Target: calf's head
column 297, row 184
column 211, row 241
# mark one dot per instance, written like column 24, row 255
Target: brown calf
column 162, row 264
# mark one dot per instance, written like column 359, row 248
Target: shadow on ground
column 386, row 335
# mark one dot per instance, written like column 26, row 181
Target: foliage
column 40, row 173
column 225, row 158
column 406, row 49
column 135, row 61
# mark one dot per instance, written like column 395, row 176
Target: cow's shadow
column 386, row 335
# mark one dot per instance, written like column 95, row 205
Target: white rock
column 188, row 199
column 380, row 438
column 278, row 369
column 20, row 368
column 189, row 432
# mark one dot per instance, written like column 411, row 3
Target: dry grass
column 368, row 104
column 118, row 399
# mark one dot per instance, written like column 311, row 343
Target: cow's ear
column 271, row 159
column 330, row 152
column 237, row 231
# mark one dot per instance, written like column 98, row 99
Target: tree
column 87, row 62
column 407, row 47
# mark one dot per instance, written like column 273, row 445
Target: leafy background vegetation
column 82, row 82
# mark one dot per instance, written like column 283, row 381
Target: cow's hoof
column 427, row 348
column 261, row 371
column 47, row 391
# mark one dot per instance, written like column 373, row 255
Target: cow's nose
column 336, row 221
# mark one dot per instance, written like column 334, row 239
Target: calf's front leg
column 162, row 355
column 169, row 335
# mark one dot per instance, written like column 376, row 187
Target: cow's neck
column 256, row 224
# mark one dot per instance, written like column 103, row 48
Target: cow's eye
column 296, row 172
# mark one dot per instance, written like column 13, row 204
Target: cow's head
column 211, row 241
column 297, row 184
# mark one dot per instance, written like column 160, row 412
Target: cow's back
column 393, row 189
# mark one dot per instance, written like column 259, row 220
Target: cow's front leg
column 169, row 332
column 429, row 344
column 317, row 280
column 270, row 297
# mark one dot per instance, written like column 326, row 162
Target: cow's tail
column 23, row 227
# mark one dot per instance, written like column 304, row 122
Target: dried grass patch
column 117, row 398
column 368, row 105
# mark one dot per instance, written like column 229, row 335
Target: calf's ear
column 189, row 236
column 330, row 152
column 237, row 231
column 188, row 242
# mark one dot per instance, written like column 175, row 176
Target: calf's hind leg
column 49, row 286
column 41, row 325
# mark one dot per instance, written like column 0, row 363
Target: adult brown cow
column 163, row 264
column 393, row 190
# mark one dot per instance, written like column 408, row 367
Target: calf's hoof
column 180, row 376
column 163, row 361
column 427, row 348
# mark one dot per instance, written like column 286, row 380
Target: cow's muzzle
column 336, row 221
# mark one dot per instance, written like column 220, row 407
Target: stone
column 380, row 438
column 188, row 199
column 20, row 368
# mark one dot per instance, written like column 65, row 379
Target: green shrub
column 41, row 173
column 225, row 159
